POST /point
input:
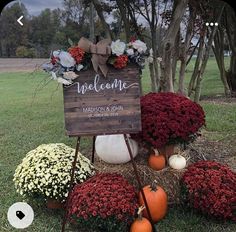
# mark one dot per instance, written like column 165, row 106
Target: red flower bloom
column 77, row 53
column 121, row 61
column 169, row 118
column 132, row 39
column 53, row 60
column 210, row 187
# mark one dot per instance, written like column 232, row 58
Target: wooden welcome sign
column 96, row 105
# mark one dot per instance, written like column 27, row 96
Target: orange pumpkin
column 141, row 224
column 156, row 161
column 156, row 200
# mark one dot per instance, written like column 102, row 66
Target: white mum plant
column 46, row 170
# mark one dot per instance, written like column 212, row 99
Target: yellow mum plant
column 45, row 171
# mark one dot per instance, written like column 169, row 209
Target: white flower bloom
column 151, row 52
column 70, row 75
column 159, row 59
column 54, row 76
column 47, row 66
column 130, row 51
column 79, row 67
column 64, row 81
column 140, row 46
column 150, row 59
column 118, row 47
column 56, row 53
column 66, row 59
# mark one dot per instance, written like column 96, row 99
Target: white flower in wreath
column 70, row 75
column 79, row 67
column 66, row 60
column 130, row 51
column 150, row 59
column 140, row 46
column 159, row 59
column 64, row 81
column 54, row 76
column 151, row 52
column 118, row 47
column 56, row 53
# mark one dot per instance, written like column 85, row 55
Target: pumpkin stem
column 156, row 152
column 140, row 210
column 154, row 186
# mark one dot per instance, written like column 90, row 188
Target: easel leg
column 139, row 181
column 93, row 151
column 71, row 184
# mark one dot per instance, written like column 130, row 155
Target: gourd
column 156, row 161
column 177, row 162
column 156, row 199
column 112, row 148
column 141, row 224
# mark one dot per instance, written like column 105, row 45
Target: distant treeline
column 51, row 29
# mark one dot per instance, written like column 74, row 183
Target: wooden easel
column 92, row 159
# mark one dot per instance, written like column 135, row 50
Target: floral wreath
column 64, row 65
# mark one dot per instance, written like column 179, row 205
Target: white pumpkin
column 112, row 148
column 177, row 161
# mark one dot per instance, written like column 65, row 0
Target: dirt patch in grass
column 20, row 64
column 222, row 150
column 219, row 100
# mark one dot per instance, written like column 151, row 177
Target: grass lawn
column 211, row 83
column 28, row 120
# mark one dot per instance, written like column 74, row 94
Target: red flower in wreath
column 121, row 61
column 132, row 39
column 54, row 60
column 77, row 53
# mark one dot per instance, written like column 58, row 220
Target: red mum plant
column 106, row 202
column 169, row 118
column 77, row 53
column 121, row 61
column 210, row 187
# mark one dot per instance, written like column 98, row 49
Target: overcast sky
column 34, row 7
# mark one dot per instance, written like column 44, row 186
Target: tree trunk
column 184, row 48
column 98, row 8
column 231, row 33
column 218, row 50
column 205, row 58
column 168, row 44
column 152, row 75
column 231, row 75
column 125, row 18
column 91, row 22
column 181, row 77
column 155, row 62
column 192, row 83
column 176, row 54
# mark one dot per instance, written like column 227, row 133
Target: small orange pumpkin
column 156, row 199
column 156, row 161
column 141, row 224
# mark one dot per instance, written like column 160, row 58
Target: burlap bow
column 100, row 53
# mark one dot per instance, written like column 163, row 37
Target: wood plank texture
column 96, row 105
